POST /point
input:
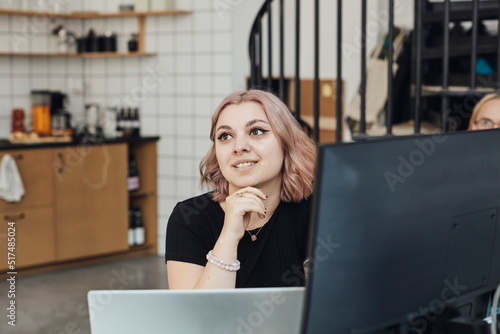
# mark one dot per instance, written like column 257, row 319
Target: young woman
column 251, row 230
column 486, row 113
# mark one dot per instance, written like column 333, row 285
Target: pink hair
column 299, row 150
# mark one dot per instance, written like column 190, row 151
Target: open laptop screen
column 257, row 310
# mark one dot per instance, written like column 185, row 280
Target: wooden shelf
column 140, row 194
column 145, row 247
column 141, row 19
column 78, row 55
column 90, row 15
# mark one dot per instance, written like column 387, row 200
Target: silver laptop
column 224, row 311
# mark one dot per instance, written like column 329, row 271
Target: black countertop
column 6, row 145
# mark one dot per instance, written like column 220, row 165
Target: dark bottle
column 130, row 122
column 136, row 124
column 112, row 42
column 131, row 227
column 81, row 44
column 91, row 41
column 127, row 122
column 139, row 233
column 119, row 121
column 133, row 175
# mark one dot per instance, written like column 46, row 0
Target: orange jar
column 40, row 112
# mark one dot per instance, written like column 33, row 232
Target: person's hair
column 299, row 150
column 480, row 105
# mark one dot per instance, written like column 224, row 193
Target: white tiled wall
column 177, row 89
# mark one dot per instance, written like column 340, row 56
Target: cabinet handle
column 14, row 218
column 61, row 159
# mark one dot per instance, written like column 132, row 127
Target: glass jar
column 40, row 112
column 17, row 120
column 133, row 43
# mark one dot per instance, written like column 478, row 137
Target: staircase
column 410, row 59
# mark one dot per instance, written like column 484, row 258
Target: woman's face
column 488, row 116
column 247, row 150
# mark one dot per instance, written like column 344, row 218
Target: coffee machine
column 60, row 116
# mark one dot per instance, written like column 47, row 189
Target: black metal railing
column 426, row 15
column 255, row 49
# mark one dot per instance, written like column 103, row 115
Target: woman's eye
column 256, row 132
column 486, row 122
column 224, row 136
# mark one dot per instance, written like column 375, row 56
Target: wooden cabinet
column 35, row 168
column 91, row 200
column 35, row 236
column 33, row 215
column 146, row 199
column 76, row 205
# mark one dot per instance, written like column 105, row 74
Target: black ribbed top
column 274, row 260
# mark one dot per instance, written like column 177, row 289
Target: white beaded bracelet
column 222, row 264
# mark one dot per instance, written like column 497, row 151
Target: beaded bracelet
column 222, row 264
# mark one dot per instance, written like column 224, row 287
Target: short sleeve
column 187, row 239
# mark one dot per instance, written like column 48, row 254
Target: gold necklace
column 254, row 236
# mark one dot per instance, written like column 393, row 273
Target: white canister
column 92, row 118
column 108, row 125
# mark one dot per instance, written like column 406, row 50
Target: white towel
column 11, row 185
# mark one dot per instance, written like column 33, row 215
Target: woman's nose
column 241, row 145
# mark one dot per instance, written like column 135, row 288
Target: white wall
column 186, row 79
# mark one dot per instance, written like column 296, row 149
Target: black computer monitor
column 405, row 234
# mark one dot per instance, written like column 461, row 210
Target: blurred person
column 486, row 113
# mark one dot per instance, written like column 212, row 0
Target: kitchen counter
column 6, row 145
column 77, row 205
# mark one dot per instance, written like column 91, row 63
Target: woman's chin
column 241, row 185
column 245, row 185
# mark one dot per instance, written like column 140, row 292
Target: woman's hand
column 239, row 207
